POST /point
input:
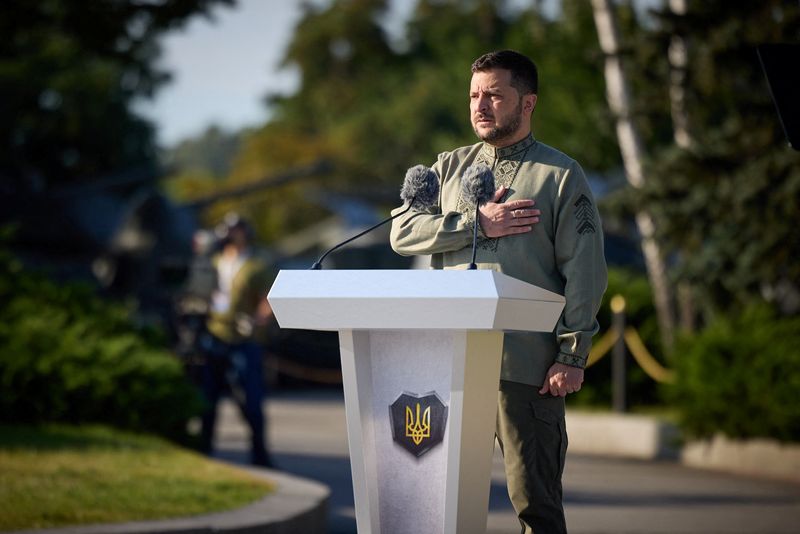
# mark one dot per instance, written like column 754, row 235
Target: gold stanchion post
column 618, row 364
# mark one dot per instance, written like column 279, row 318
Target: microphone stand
column 472, row 265
column 318, row 264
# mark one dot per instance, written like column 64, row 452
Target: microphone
column 420, row 191
column 477, row 187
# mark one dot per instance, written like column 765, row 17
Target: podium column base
column 446, row 488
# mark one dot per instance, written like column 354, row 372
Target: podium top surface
column 411, row 299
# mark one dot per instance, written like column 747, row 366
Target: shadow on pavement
column 687, row 500
column 333, row 471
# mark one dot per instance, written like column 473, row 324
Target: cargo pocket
column 551, row 442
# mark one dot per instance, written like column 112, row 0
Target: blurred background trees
column 374, row 107
column 70, row 73
column 726, row 202
column 722, row 186
column 77, row 169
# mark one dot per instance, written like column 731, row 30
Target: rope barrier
column 634, row 342
column 600, row 348
column 635, row 345
column 645, row 360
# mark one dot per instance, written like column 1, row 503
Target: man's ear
column 529, row 102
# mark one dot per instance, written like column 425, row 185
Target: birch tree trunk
column 678, row 64
column 678, row 55
column 630, row 143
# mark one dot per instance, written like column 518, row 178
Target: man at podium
column 542, row 227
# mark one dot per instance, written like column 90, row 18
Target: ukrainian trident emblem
column 418, row 422
column 415, row 429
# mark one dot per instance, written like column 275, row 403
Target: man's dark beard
column 498, row 133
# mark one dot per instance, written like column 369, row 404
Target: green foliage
column 213, row 152
column 727, row 206
column 640, row 314
column 740, row 376
column 69, row 73
column 67, row 356
column 571, row 113
column 374, row 109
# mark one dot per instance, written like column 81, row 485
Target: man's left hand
column 562, row 379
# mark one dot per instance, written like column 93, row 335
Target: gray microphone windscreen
column 421, row 186
column 477, row 184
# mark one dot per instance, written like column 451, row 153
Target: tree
column 213, row 151
column 678, row 55
column 727, row 199
column 633, row 155
column 374, row 109
column 572, row 113
column 69, row 72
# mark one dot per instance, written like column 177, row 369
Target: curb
column 622, row 435
column 647, row 438
column 296, row 505
column 760, row 457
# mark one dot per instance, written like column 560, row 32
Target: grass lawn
column 61, row 475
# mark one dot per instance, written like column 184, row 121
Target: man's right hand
column 499, row 219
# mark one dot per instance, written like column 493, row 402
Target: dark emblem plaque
column 418, row 422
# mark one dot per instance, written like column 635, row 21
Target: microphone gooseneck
column 472, row 264
column 318, row 264
column 477, row 187
column 420, row 191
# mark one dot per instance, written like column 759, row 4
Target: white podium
column 421, row 353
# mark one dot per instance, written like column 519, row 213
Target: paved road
column 602, row 495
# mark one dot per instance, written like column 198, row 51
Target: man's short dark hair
column 524, row 75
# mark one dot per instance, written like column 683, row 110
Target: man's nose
column 483, row 103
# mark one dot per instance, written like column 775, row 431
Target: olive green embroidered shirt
column 563, row 253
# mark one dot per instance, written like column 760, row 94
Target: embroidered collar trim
column 508, row 151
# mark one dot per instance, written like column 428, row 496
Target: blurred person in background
column 237, row 325
column 202, row 279
column 193, row 304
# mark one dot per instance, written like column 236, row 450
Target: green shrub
column 68, row 356
column 740, row 376
column 639, row 313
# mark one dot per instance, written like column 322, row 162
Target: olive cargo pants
column 533, row 439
